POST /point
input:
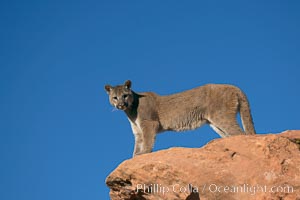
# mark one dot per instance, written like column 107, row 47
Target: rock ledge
column 240, row 167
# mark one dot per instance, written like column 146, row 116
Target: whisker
column 114, row 109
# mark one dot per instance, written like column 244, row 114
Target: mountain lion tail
column 246, row 116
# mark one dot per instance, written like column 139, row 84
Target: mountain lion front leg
column 138, row 146
column 138, row 137
column 145, row 141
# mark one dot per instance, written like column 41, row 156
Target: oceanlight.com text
column 246, row 188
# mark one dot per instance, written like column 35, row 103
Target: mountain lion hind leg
column 226, row 127
column 226, row 131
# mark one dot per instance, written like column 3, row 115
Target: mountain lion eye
column 115, row 98
column 125, row 96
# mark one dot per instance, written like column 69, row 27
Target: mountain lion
column 150, row 113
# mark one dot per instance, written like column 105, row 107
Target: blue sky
column 59, row 138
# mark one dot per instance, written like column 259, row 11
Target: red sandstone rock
column 263, row 167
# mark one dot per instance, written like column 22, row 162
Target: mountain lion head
column 120, row 96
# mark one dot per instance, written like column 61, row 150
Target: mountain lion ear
column 108, row 88
column 127, row 84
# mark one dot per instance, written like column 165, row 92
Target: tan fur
column 213, row 104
